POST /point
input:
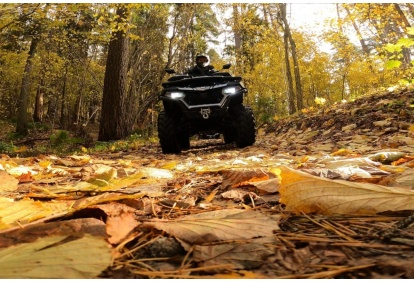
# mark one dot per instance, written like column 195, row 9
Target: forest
column 57, row 67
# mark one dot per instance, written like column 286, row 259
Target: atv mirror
column 226, row 66
column 170, row 71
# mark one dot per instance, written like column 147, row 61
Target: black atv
column 205, row 105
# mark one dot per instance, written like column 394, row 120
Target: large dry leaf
column 127, row 193
column 56, row 257
column 14, row 213
column 220, row 225
column 148, row 177
column 8, row 182
column 33, row 231
column 403, row 179
column 302, row 192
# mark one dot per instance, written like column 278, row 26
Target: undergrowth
column 43, row 140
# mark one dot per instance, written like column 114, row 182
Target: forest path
column 324, row 194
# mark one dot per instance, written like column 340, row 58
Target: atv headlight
column 231, row 90
column 175, row 94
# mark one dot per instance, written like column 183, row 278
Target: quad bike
column 206, row 106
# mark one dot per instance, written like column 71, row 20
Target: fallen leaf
column 236, row 194
column 103, row 175
column 220, row 225
column 403, row 179
column 342, row 152
column 13, row 213
column 33, row 231
column 349, row 128
column 241, row 274
column 8, row 182
column 25, row 178
column 402, row 160
column 210, row 197
column 20, row 170
column 120, row 221
column 301, row 192
column 20, row 149
column 266, row 186
column 383, row 123
column 333, row 163
column 240, row 177
column 239, row 255
column 56, row 257
column 386, row 157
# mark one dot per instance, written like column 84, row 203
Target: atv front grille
column 203, row 97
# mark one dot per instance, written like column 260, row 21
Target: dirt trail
column 215, row 211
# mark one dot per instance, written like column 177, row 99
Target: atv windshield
column 201, row 81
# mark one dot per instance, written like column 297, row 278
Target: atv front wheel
column 167, row 133
column 228, row 130
column 184, row 140
column 244, row 126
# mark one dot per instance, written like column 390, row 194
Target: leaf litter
column 323, row 194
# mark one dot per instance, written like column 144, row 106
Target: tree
column 286, row 40
column 35, row 28
column 114, row 122
column 21, row 126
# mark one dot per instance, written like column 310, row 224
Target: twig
column 387, row 234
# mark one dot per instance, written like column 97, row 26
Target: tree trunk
column 38, row 110
column 298, row 84
column 77, row 110
column 361, row 40
column 237, row 35
column 21, row 127
column 290, row 92
column 62, row 120
column 411, row 9
column 404, row 23
column 113, row 124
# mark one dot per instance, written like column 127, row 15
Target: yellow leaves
column 20, row 149
column 45, row 163
column 320, row 101
column 305, row 193
column 14, row 213
column 342, row 152
column 56, row 257
column 411, row 129
column 170, row 165
column 103, row 175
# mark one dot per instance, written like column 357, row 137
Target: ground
column 326, row 193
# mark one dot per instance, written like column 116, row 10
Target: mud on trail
column 324, row 194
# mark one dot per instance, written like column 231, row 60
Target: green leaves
column 392, row 64
column 396, row 50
